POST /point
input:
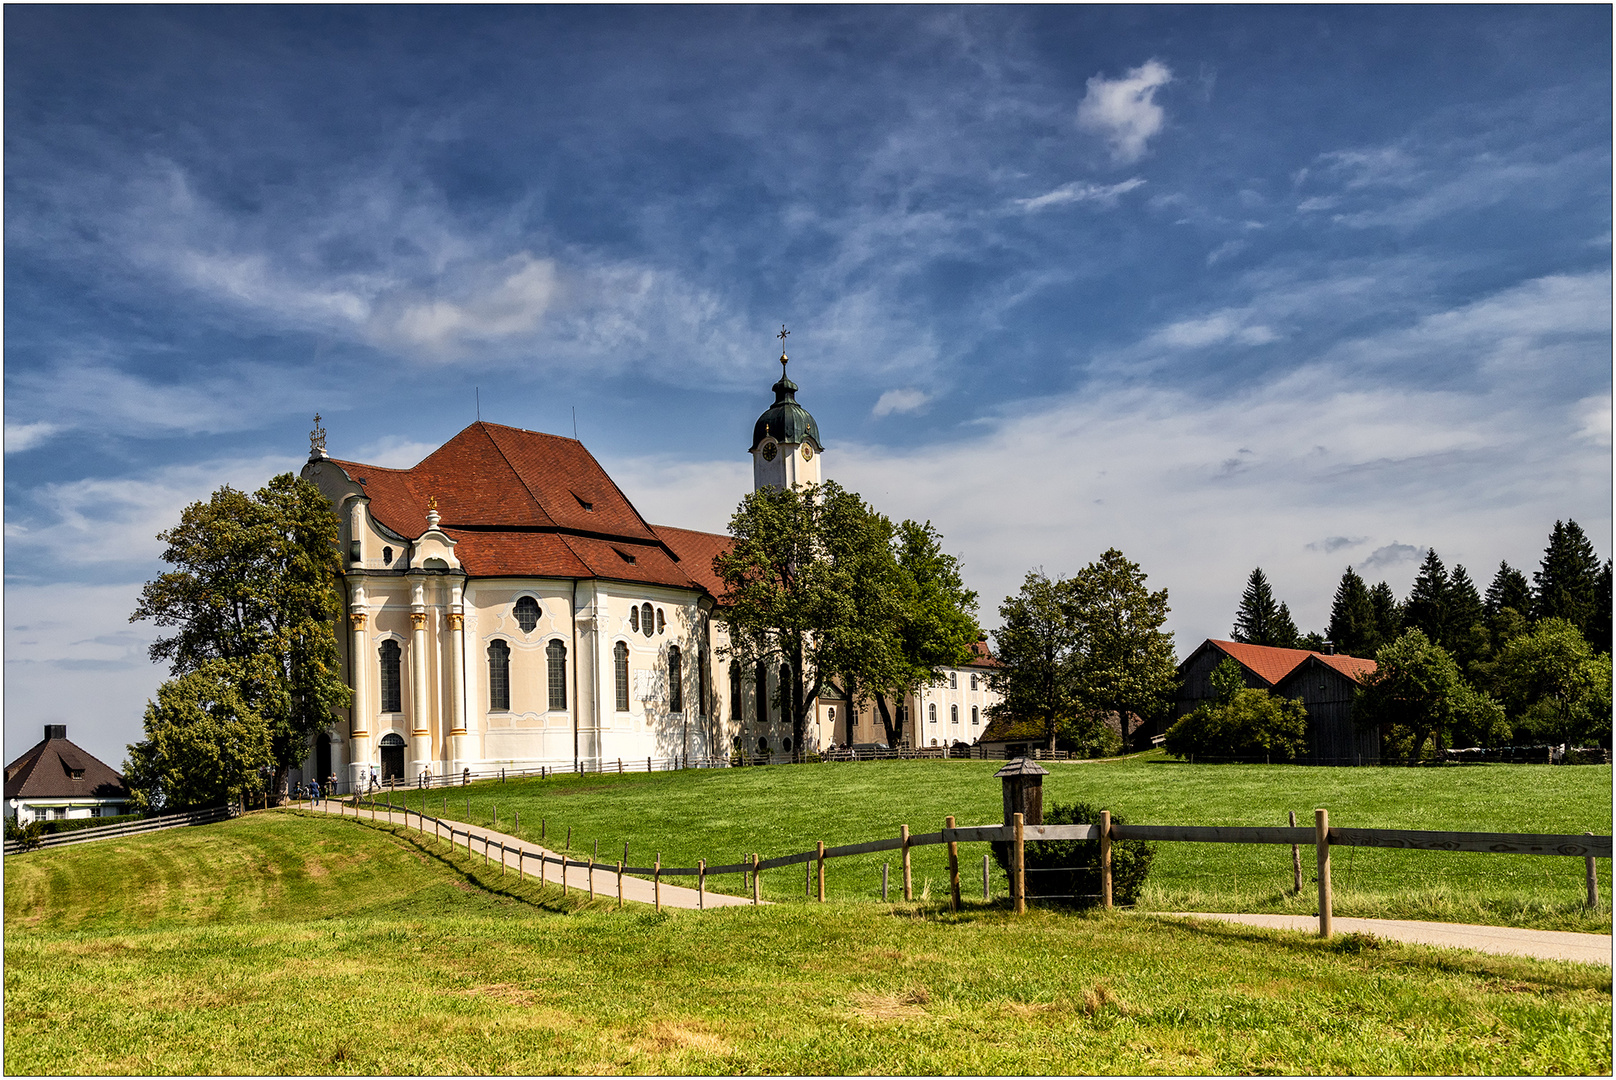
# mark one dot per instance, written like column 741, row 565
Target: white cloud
column 20, row 437
column 1214, row 329
column 1077, row 191
column 900, row 401
column 1390, row 555
column 392, row 452
column 1124, row 110
column 1593, row 417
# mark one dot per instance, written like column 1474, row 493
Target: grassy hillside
column 282, row 944
column 720, row 815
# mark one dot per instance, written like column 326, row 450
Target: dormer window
column 625, row 556
column 587, row 505
column 387, row 556
column 527, row 614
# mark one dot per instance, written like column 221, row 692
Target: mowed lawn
column 721, row 815
column 290, row 944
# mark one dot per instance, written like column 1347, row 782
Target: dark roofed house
column 1324, row 683
column 56, row 779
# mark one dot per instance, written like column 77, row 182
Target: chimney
column 1329, row 648
column 55, row 731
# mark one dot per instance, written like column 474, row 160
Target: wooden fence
column 1322, row 836
column 126, row 828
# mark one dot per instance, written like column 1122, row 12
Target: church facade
column 507, row 606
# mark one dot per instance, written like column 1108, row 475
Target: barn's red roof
column 1272, row 664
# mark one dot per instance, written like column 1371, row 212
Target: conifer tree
column 1600, row 638
column 1467, row 625
column 1388, row 614
column 1353, row 627
column 1256, row 621
column 1285, row 635
column 1566, row 583
column 1507, row 607
column 1429, row 602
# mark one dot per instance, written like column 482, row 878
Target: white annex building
column 508, row 606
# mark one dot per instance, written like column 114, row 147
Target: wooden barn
column 1323, row 682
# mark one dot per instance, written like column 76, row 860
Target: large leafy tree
column 1246, row 725
column 1125, row 664
column 255, row 584
column 1417, row 694
column 938, row 619
column 1037, row 644
column 1554, row 686
column 1260, row 620
column 1353, row 627
column 1565, row 585
column 205, row 742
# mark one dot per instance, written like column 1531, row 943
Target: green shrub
column 1072, row 867
column 75, row 824
column 1253, row 725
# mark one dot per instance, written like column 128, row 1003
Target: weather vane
column 782, row 335
column 317, row 439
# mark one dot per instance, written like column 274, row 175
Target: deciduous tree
column 1554, row 686
column 255, row 584
column 205, row 743
column 1125, row 662
column 1037, row 645
column 1417, row 693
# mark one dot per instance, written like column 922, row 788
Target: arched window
column 661, row 624
column 527, row 613
column 499, row 676
column 634, row 618
column 620, row 666
column 763, row 746
column 976, row 717
column 953, row 680
column 785, row 692
column 735, row 693
column 953, row 714
column 761, row 678
column 934, row 742
column 647, row 620
column 785, row 744
column 556, row 654
column 676, row 681
column 387, row 556
column 392, row 692
column 973, row 682
column 931, row 713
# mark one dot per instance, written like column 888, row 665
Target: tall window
column 676, row 681
column 953, row 714
column 953, row 680
column 647, row 620
column 527, row 614
column 620, row 665
column 761, row 678
column 392, row 693
column 785, row 691
column 661, row 623
column 973, row 682
column 931, row 713
column 634, row 619
column 556, row 654
column 976, row 717
column 499, row 676
column 735, row 693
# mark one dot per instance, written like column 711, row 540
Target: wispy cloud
column 900, row 401
column 1392, row 555
column 1078, row 191
column 1124, row 110
column 1216, row 329
column 20, row 437
column 1336, row 543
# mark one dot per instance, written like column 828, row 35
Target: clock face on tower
column 769, row 450
column 807, row 452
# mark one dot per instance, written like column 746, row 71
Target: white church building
column 508, row 607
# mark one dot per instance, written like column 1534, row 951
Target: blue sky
column 1222, row 287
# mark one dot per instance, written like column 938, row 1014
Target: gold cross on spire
column 782, row 335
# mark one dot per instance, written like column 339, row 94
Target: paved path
column 539, row 862
column 1545, row 944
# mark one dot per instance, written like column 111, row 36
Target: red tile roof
column 522, row 503
column 981, row 656
column 1272, row 664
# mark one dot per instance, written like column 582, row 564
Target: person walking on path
column 314, row 792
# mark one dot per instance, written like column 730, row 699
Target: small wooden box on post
column 1023, row 790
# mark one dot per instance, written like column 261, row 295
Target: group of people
column 314, row 792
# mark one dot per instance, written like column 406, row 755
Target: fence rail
column 1321, row 837
column 128, row 828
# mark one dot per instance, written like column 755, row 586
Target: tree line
column 1526, row 661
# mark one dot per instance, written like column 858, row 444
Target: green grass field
column 284, row 943
column 721, row 815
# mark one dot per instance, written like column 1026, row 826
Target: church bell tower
column 785, row 439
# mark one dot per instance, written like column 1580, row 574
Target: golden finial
column 431, row 502
column 317, row 440
column 782, row 335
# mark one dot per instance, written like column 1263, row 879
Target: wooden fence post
column 569, row 838
column 757, row 889
column 656, row 881
column 502, row 858
column 1105, row 859
column 1296, row 858
column 1321, row 844
column 518, row 826
column 591, row 877
column 953, row 865
column 619, row 886
column 821, row 873
column 908, row 874
column 563, row 875
column 1593, row 883
column 1018, row 855
column 701, row 884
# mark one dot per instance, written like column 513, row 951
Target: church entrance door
column 392, row 756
